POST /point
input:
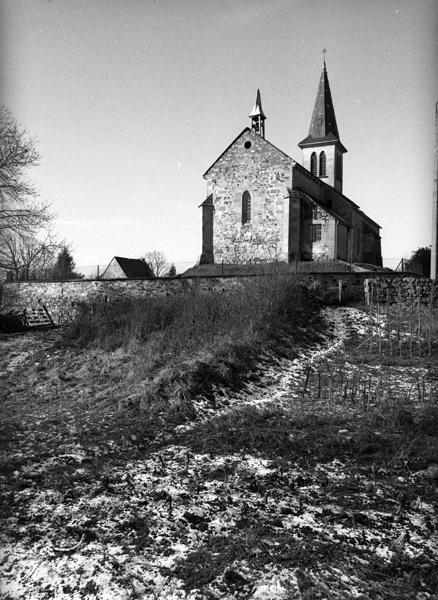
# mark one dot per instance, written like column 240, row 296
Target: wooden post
column 434, row 247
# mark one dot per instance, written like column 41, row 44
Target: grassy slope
column 309, row 481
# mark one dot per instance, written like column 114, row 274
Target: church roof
column 258, row 110
column 322, row 204
column 323, row 127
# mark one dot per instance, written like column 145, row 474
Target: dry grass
column 182, row 345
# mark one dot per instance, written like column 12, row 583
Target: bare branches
column 17, row 153
column 157, row 262
column 19, row 210
column 27, row 247
column 26, row 220
column 28, row 257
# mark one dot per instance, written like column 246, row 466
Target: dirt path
column 314, row 481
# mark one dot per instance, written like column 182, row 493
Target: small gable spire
column 258, row 117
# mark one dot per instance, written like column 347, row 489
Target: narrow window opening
column 313, row 164
column 338, row 166
column 246, row 207
column 322, row 165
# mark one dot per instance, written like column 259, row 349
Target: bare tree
column 20, row 212
column 27, row 257
column 157, row 262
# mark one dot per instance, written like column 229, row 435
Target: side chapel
column 263, row 206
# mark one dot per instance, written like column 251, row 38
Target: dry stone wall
column 62, row 299
column 410, row 290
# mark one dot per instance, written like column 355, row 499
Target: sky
column 130, row 101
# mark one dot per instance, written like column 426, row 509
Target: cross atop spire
column 324, row 51
column 258, row 117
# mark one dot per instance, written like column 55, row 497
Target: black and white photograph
column 218, row 299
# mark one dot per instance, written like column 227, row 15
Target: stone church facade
column 263, row 206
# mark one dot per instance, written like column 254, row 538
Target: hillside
column 313, row 477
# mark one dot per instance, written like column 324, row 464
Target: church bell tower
column 258, row 117
column 322, row 149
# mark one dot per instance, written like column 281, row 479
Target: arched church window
column 313, row 164
column 246, row 207
column 322, row 164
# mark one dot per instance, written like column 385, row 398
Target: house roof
column 323, row 127
column 133, row 268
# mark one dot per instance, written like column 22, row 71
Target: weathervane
column 324, row 50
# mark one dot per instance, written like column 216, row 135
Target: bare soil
column 316, row 479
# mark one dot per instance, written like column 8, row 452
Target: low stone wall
column 412, row 289
column 63, row 298
column 352, row 287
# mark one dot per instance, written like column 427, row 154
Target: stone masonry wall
column 402, row 289
column 63, row 298
column 250, row 164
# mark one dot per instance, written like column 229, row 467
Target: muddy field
column 316, row 479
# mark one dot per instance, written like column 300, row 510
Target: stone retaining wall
column 410, row 289
column 62, row 298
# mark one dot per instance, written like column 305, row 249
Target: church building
column 263, row 206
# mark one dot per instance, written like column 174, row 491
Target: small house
column 127, row 268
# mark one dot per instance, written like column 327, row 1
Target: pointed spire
column 323, row 125
column 258, row 110
column 323, row 118
column 258, row 117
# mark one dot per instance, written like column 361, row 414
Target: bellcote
column 322, row 148
column 258, row 117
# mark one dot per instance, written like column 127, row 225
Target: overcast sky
column 132, row 100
